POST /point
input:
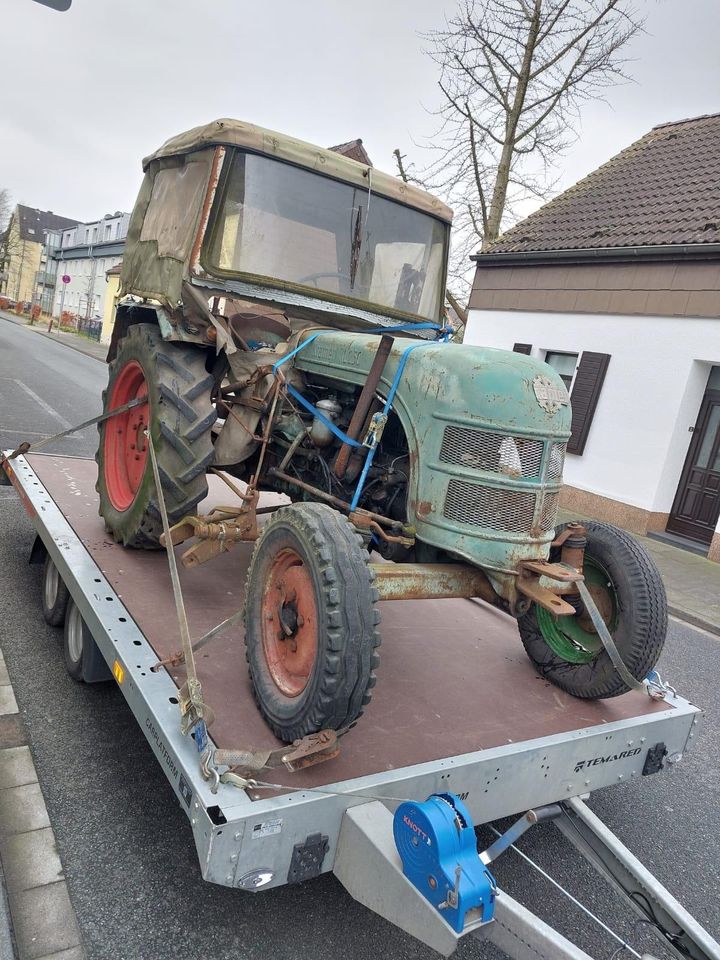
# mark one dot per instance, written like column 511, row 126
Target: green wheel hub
column 568, row 637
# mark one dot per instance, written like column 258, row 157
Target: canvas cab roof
column 236, row 133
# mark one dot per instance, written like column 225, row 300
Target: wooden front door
column 696, row 508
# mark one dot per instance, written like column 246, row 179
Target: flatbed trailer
column 458, row 709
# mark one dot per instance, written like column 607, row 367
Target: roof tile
column 663, row 189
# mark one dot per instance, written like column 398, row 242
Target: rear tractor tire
column 180, row 415
column 310, row 622
column 629, row 593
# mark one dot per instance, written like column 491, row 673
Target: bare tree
column 10, row 241
column 5, row 208
column 513, row 77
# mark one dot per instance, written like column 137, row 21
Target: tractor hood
column 486, row 431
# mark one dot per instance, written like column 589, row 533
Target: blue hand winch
column 437, row 846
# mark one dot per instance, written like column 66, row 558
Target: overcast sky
column 86, row 94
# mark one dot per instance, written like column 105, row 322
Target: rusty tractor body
column 282, row 313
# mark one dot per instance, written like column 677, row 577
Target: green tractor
column 281, row 321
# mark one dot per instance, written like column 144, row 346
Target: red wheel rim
column 126, row 451
column 289, row 623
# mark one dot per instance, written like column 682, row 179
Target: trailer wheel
column 628, row 590
column 55, row 594
column 180, row 414
column 310, row 622
column 83, row 659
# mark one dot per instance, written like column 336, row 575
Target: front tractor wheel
column 179, row 414
column 310, row 622
column 629, row 593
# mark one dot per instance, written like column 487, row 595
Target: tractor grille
column 481, row 450
column 498, row 509
column 490, row 507
column 549, row 511
column 556, row 461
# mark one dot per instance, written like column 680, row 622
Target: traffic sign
column 65, row 278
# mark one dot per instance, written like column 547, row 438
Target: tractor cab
column 232, row 211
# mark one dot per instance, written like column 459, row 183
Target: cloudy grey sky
column 86, row 94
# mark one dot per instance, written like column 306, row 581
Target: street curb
column 37, row 919
column 7, row 941
column 694, row 621
column 78, row 347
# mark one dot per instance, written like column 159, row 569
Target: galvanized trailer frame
column 346, row 827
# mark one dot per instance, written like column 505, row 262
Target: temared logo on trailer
column 66, row 278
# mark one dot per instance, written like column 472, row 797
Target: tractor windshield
column 274, row 221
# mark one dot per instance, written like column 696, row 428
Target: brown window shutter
column 522, row 348
column 585, row 395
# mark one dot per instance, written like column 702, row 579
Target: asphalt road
column 126, row 846
column 44, row 388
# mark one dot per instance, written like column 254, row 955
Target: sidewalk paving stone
column 21, row 809
column 30, row 860
column 8, row 703
column 16, row 767
column 44, row 921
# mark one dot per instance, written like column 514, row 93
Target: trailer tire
column 55, row 594
column 83, row 659
column 181, row 416
column 636, row 616
column 310, row 622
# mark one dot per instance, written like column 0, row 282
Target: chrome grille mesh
column 556, row 461
column 481, row 450
column 498, row 509
column 549, row 511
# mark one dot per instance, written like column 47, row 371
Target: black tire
column 83, row 659
column 333, row 559
column 181, row 415
column 640, row 619
column 54, row 595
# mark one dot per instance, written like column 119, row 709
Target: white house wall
column 79, row 269
column 649, row 402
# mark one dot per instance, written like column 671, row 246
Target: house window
column 714, row 379
column 108, row 231
column 563, row 364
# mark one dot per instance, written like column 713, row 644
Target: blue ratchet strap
column 401, row 328
column 289, row 356
column 386, row 409
column 321, row 416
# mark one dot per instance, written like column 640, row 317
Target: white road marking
column 39, row 400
